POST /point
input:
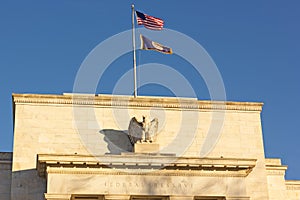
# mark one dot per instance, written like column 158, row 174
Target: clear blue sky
column 255, row 45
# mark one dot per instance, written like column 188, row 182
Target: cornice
column 144, row 164
column 276, row 169
column 292, row 185
column 129, row 101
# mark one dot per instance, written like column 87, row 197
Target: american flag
column 149, row 22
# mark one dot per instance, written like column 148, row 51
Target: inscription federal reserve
column 116, row 184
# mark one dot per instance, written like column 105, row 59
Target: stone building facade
column 76, row 147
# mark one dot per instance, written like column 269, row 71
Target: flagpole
column 134, row 54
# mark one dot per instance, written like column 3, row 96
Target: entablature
column 292, row 184
column 274, row 167
column 129, row 101
column 143, row 164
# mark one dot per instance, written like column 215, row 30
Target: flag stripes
column 149, row 22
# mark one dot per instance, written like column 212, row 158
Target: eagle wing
column 135, row 130
column 152, row 131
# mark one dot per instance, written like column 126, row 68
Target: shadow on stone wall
column 117, row 141
column 5, row 175
column 27, row 185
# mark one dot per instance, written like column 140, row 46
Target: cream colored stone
column 161, row 185
column 57, row 197
column 146, row 148
column 181, row 197
column 117, row 197
column 96, row 126
column 293, row 189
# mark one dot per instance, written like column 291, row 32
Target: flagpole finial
column 132, row 6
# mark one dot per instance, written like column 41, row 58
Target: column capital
column 116, row 197
column 57, row 196
column 181, row 197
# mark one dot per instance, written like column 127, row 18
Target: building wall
column 276, row 181
column 293, row 189
column 5, row 175
column 66, row 124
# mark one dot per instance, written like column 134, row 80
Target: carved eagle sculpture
column 142, row 131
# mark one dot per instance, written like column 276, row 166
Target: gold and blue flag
column 147, row 44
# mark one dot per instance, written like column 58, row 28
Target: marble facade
column 74, row 146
